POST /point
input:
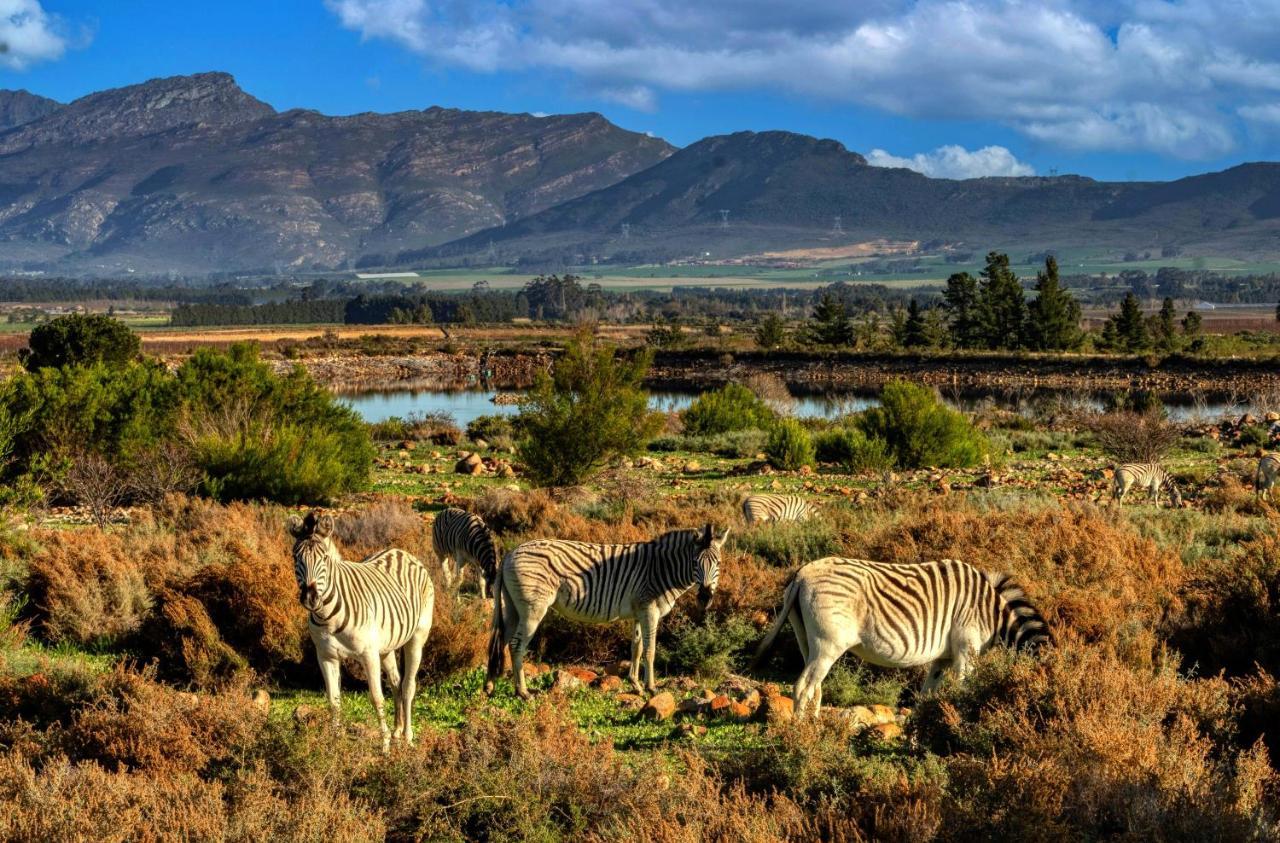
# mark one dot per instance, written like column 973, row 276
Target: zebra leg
column 634, row 672
column 412, row 653
column 525, row 629
column 331, row 671
column 446, row 568
column 649, row 632
column 391, row 671
column 825, row 655
column 373, row 667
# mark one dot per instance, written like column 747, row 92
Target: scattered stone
column 610, row 684
column 481, row 445
column 469, row 464
column 752, row 700
column 262, row 700
column 692, row 467
column 719, row 705
column 690, row 707
column 404, row 455
column 777, row 709
column 565, row 681
column 586, row 677
column 886, row 731
column 659, row 707
column 689, row 730
column 634, row 702
column 739, row 711
column 408, row 445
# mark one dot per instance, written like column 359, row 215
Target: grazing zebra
column 367, row 610
column 462, row 538
column 758, row 509
column 1144, row 475
column 599, row 583
column 1264, row 480
column 939, row 614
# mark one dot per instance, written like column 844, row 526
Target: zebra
column 368, row 611
column 1265, row 477
column 461, row 538
column 940, row 614
column 599, row 583
column 1144, row 475
column 759, row 509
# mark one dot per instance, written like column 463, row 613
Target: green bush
column 731, row 407
column 790, row 447
column 789, row 544
column 590, row 409
column 490, row 428
column 711, row 649
column 1254, row 436
column 738, row 444
column 78, row 339
column 389, row 430
column 853, row 450
column 920, row 430
column 254, row 434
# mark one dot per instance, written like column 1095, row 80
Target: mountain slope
column 18, row 107
column 749, row 192
column 194, row 175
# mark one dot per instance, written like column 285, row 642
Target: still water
column 465, row 405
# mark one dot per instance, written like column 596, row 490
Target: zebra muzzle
column 704, row 596
column 309, row 595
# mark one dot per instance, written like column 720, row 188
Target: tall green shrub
column 588, row 410
column 731, row 407
column 852, row 449
column 80, row 338
column 919, row 430
column 790, row 447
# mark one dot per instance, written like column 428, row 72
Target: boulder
column 752, row 700
column 883, row 714
column 634, row 702
column 586, row 677
column 690, row 707
column 886, row 731
column 609, row 684
column 469, row 464
column 777, row 709
column 860, row 714
column 565, row 681
column 739, row 711
column 262, row 700
column 659, row 707
column 719, row 705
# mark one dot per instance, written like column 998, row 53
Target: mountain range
column 192, row 175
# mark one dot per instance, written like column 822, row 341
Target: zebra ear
column 294, row 525
column 707, row 535
column 724, row 537
column 324, row 527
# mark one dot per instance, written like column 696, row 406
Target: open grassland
column 132, row 661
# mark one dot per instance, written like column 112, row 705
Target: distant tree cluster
column 992, row 312
column 1130, row 331
column 293, row 312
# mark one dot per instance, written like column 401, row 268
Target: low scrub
column 789, row 446
column 852, row 450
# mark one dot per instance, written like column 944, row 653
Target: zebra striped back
column 1145, row 475
column 387, row 592
column 758, row 509
column 464, row 537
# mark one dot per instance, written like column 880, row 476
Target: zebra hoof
column 488, row 688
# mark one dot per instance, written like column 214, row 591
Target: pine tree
column 771, row 331
column 960, row 300
column 914, row 331
column 1128, row 327
column 1002, row 307
column 1191, row 324
column 1166, row 327
column 830, row 323
column 1053, row 323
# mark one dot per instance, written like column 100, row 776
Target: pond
column 466, row 404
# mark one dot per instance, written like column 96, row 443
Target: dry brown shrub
column 1094, row 578
column 459, row 636
column 87, row 588
column 508, row 511
column 1134, row 437
column 387, row 523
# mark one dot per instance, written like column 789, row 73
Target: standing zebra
column 599, row 583
column 939, row 614
column 1265, row 477
column 367, row 610
column 1144, row 475
column 758, row 509
column 462, row 538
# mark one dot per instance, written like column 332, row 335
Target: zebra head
column 312, row 550
column 706, row 564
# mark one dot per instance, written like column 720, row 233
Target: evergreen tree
column 960, row 301
column 1191, row 324
column 830, row 323
column 771, row 331
column 1002, row 308
column 914, row 331
column 1054, row 317
column 1165, row 328
column 1128, row 327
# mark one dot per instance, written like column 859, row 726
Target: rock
column 469, row 464
column 1052, row 457
column 1271, row 417
column 505, row 470
column 481, row 445
column 708, row 695
column 621, row 668
column 659, row 707
column 883, row 714
column 404, row 455
column 533, row 669
column 886, row 731
column 692, row 467
column 262, row 700
column 565, row 681
column 634, row 702
column 690, row 707
column 408, row 445
column 777, row 709
column 689, row 730
column 861, row 714
column 752, row 700
column 586, row 677
column 719, row 705
column 737, row 686
column 806, row 470
column 307, row 715
column 609, row 684
column 738, row 711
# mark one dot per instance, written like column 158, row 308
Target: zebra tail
column 497, row 634
column 788, row 602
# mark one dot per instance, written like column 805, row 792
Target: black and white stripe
column 368, row 611
column 1144, row 475
column 759, row 509
column 937, row 614
column 1264, row 479
column 599, row 583
column 461, row 538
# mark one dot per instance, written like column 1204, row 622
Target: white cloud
column 28, row 34
column 1176, row 78
column 956, row 162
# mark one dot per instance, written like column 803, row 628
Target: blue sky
column 1134, row 89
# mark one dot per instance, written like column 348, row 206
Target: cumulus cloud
column 1175, row 78
column 956, row 162
column 28, row 34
